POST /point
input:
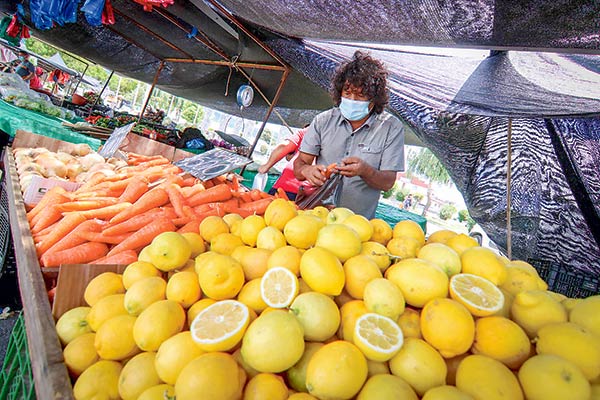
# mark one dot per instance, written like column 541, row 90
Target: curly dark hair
column 364, row 72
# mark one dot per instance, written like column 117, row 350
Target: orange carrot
column 91, row 182
column 144, row 236
column 45, row 231
column 103, row 238
column 189, row 191
column 55, row 199
column 179, row 222
column 149, row 200
column 255, row 194
column 176, row 199
column 245, row 197
column 73, row 239
column 189, row 181
column 80, row 205
column 107, row 212
column 47, row 199
column 64, row 226
column 213, row 194
column 46, row 218
column 80, row 254
column 133, row 223
column 192, row 226
column 135, row 189
column 123, row 258
column 257, row 206
column 282, row 194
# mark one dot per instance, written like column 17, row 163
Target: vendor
column 364, row 141
column 28, row 71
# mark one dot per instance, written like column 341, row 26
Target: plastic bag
column 92, row 9
column 323, row 195
column 260, row 181
column 108, row 16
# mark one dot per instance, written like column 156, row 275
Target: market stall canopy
column 460, row 106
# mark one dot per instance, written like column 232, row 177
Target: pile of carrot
column 109, row 219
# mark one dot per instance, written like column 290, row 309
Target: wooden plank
column 138, row 144
column 49, row 371
column 27, row 139
column 71, row 284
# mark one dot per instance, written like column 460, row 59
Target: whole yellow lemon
column 143, row 293
column 99, row 381
column 484, row 262
column 302, row 230
column 503, row 340
column 72, row 324
column 114, row 340
column 550, row 377
column 157, row 323
column 169, row 250
column 440, row 316
column 442, row 256
column 174, row 354
column 318, row 314
column 384, row 297
column 408, row 228
column 382, row 231
column 138, row 375
column 184, row 288
column 337, row 370
column 106, row 308
column 532, row 309
column 586, row 313
column 485, row 378
column 340, row 239
column 80, row 354
column 138, row 270
column 386, row 386
column 573, row 343
column 419, row 280
column 266, row 386
column 441, row 236
column 279, row 212
column 221, row 277
column 359, row 271
column 296, row 375
column 419, row 364
column 446, row 392
column 361, row 225
column 212, row 376
column 322, row 271
column 103, row 285
column 378, row 253
column 273, row 342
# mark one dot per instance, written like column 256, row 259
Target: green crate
column 16, row 378
column 392, row 215
column 249, row 179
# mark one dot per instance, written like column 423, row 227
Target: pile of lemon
column 328, row 305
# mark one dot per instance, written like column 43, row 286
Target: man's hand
column 315, row 174
column 263, row 169
column 353, row 166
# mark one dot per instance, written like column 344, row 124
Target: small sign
column 115, row 139
column 212, row 163
column 38, row 187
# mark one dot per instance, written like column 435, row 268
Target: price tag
column 212, row 163
column 115, row 139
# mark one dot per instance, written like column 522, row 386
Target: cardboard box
column 38, row 187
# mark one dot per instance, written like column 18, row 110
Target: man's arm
column 277, row 154
column 305, row 170
column 354, row 166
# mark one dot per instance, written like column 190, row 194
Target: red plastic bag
column 14, row 28
column 108, row 16
column 25, row 32
column 148, row 4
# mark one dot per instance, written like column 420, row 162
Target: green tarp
column 392, row 215
column 13, row 118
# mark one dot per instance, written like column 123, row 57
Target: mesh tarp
column 471, row 139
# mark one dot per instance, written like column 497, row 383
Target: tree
column 425, row 164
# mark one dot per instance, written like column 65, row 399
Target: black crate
column 5, row 235
column 563, row 279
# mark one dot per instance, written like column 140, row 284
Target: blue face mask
column 354, row 110
column 22, row 58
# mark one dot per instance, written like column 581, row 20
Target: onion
column 52, row 165
column 30, row 167
column 91, row 159
column 81, row 149
column 64, row 157
column 74, row 168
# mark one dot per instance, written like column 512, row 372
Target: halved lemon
column 278, row 287
column 220, row 326
column 478, row 294
column 377, row 336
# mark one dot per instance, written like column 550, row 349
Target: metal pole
column 81, row 77
column 508, row 194
column 160, row 67
column 271, row 106
column 227, row 63
column 102, row 91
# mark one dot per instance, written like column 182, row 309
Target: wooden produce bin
column 50, row 375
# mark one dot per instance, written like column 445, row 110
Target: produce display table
column 49, row 371
column 13, row 118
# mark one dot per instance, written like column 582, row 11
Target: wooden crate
column 49, row 371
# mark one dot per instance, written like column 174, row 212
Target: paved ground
column 9, row 297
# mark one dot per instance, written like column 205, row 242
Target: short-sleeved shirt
column 287, row 181
column 379, row 142
column 25, row 68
